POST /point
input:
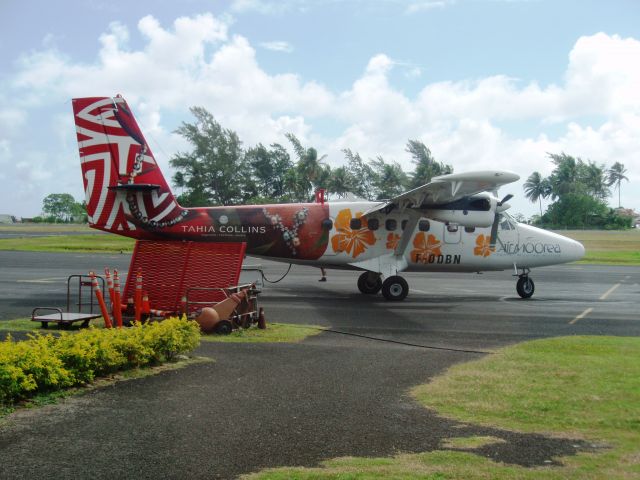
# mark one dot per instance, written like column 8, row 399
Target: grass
column 26, row 325
column 20, row 325
column 576, row 387
column 274, row 333
column 470, row 443
column 619, row 247
column 98, row 243
column 45, row 227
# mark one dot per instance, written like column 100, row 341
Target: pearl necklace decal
column 135, row 211
column 290, row 236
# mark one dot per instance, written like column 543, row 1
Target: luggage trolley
column 66, row 318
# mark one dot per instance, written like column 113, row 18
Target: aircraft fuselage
column 329, row 235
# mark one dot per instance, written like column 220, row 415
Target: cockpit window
column 506, row 223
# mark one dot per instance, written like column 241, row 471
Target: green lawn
column 274, row 333
column 45, row 227
column 98, row 243
column 608, row 247
column 575, row 387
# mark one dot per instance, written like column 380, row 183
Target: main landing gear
column 369, row 283
column 525, row 286
column 393, row 288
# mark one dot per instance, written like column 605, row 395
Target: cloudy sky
column 483, row 83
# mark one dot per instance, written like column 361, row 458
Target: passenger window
column 469, row 229
column 424, row 225
column 355, row 224
column 390, row 224
column 327, row 224
column 373, row 224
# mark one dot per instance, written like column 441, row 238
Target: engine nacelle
column 476, row 211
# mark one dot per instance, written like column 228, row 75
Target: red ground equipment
column 171, row 269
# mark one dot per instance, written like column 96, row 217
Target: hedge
column 45, row 363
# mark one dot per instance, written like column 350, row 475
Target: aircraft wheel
column 368, row 285
column 525, row 287
column 395, row 288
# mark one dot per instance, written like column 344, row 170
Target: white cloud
column 12, row 119
column 278, row 46
column 196, row 61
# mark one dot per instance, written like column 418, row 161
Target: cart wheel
column 224, row 327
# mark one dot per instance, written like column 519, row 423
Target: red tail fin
column 125, row 190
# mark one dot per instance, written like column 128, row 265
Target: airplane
column 455, row 223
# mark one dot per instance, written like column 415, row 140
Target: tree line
column 62, row 208
column 578, row 191
column 219, row 171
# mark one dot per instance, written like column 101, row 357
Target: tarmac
column 341, row 393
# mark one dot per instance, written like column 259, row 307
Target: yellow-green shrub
column 45, row 363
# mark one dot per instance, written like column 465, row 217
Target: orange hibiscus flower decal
column 392, row 241
column 353, row 242
column 425, row 246
column 483, row 246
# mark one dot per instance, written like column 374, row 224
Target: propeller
column 501, row 206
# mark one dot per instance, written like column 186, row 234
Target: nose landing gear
column 525, row 286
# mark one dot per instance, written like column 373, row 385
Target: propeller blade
column 494, row 232
column 506, row 198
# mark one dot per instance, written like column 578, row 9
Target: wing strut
column 401, row 248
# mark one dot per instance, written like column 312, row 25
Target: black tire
column 395, row 288
column 365, row 285
column 224, row 327
column 525, row 287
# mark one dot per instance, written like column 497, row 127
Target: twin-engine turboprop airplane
column 453, row 224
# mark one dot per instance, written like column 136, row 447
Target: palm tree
column 341, row 182
column 536, row 188
column 595, row 180
column 615, row 175
column 426, row 166
column 565, row 177
column 311, row 170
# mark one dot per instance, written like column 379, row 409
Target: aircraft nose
column 576, row 250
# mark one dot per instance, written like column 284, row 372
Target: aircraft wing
column 446, row 189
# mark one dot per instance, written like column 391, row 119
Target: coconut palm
column 615, row 175
column 536, row 188
column 341, row 182
column 311, row 171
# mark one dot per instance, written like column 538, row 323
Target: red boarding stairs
column 171, row 270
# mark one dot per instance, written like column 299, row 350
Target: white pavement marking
column 589, row 310
column 582, row 315
column 609, row 292
column 41, row 280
